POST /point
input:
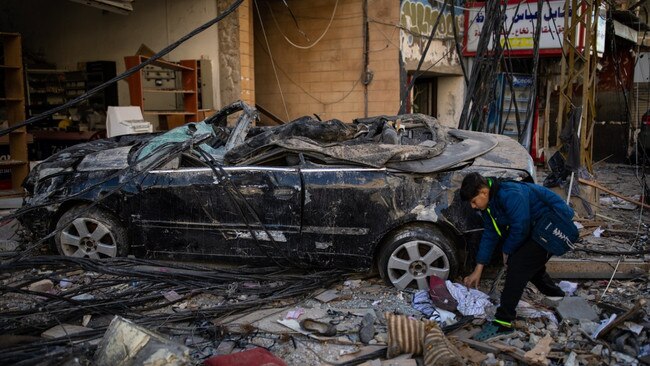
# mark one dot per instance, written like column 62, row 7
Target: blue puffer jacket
column 515, row 207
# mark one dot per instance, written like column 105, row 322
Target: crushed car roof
column 409, row 143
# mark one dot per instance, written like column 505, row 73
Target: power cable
column 313, row 43
column 457, row 42
column 275, row 72
column 126, row 74
column 347, row 94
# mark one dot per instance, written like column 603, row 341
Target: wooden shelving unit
column 13, row 102
column 186, row 86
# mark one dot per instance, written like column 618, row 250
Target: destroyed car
column 377, row 193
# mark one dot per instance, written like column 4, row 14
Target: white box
column 126, row 121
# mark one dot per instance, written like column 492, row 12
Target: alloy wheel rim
column 87, row 238
column 414, row 261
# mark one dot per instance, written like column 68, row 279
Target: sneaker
column 492, row 331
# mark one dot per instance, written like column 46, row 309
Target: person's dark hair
column 472, row 184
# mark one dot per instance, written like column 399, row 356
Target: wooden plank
column 11, row 193
column 622, row 318
column 174, row 91
column 599, row 186
column 11, row 162
column 163, row 64
column 595, row 268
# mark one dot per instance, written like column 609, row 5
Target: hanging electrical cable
column 327, row 28
column 275, row 72
column 459, row 53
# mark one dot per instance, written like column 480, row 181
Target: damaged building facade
column 578, row 61
column 348, row 59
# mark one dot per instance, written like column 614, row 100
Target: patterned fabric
column 439, row 294
column 470, row 301
column 439, row 351
column 406, row 335
column 423, row 304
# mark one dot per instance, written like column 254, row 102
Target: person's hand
column 473, row 279
column 505, row 260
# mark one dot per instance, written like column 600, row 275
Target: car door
column 345, row 210
column 237, row 212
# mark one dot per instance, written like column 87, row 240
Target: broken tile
column 172, row 296
column 328, row 296
column 576, row 308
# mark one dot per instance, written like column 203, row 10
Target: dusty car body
column 377, row 193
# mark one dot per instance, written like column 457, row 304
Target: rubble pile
column 62, row 310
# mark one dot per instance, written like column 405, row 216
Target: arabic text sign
column 521, row 22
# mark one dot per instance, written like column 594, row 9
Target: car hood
column 88, row 156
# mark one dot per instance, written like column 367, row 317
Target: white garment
column 526, row 310
column 470, row 301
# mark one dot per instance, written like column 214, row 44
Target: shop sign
column 520, row 22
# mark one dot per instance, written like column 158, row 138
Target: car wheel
column 414, row 253
column 90, row 233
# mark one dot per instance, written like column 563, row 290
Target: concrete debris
column 63, row 330
column 367, row 330
column 126, row 343
column 576, row 308
column 41, row 286
column 328, row 296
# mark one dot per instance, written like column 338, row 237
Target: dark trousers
column 527, row 264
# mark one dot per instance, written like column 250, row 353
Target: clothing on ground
column 470, row 301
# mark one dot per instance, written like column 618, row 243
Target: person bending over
column 509, row 210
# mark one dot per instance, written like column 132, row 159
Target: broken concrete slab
column 41, row 286
column 328, row 296
column 126, row 344
column 576, row 308
column 63, row 330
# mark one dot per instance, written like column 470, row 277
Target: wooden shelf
column 10, row 163
column 165, row 64
column 171, row 113
column 185, row 76
column 45, row 71
column 6, row 193
column 14, row 106
column 169, row 91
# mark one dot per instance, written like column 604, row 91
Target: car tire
column 410, row 255
column 89, row 232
